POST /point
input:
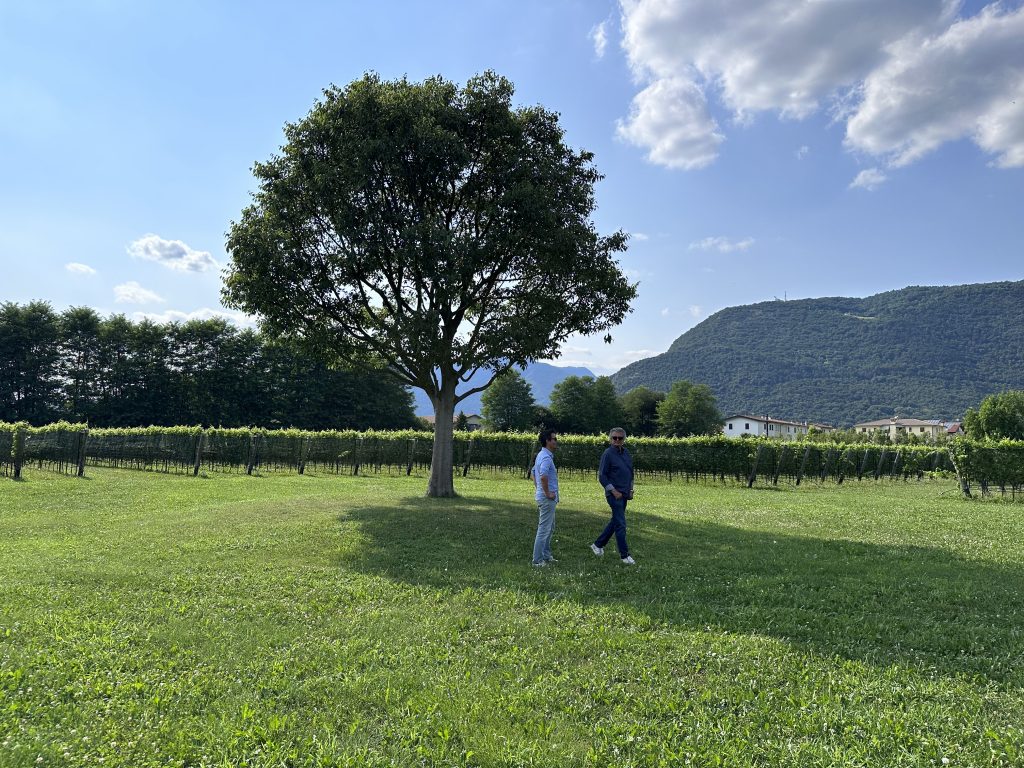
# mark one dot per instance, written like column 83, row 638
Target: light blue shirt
column 544, row 466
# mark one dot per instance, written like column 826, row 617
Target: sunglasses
column 619, row 437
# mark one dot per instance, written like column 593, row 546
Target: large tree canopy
column 999, row 416
column 431, row 229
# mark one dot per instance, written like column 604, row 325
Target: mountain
column 925, row 352
column 541, row 377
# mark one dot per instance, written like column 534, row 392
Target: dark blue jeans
column 616, row 525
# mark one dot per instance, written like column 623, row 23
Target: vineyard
column 70, row 448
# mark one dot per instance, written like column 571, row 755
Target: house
column 955, row 429
column 742, row 424
column 897, row 427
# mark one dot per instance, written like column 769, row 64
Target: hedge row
column 995, row 463
column 71, row 447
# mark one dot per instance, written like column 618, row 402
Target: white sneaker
column 596, row 550
column 627, row 560
column 541, row 564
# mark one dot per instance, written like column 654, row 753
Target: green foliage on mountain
column 925, row 352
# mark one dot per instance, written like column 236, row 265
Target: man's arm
column 602, row 475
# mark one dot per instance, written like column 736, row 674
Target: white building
column 896, row 427
column 763, row 426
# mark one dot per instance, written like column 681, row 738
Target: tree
column 689, row 409
column 999, row 416
column 29, row 363
column 508, row 403
column 432, row 230
column 585, row 405
column 640, row 411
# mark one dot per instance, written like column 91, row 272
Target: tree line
column 588, row 405
column 112, row 372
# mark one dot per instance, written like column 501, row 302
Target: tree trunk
column 441, row 483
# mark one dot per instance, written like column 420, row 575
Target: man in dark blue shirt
column 616, row 477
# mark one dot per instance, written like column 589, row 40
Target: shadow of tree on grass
column 882, row 605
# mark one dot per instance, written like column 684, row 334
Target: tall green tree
column 79, row 335
column 999, row 416
column 640, row 411
column 689, row 409
column 432, row 229
column 29, row 363
column 508, row 403
column 585, row 405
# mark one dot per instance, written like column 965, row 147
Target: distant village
column 897, row 429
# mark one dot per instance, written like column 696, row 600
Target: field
column 154, row 620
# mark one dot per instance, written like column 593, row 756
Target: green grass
column 153, row 620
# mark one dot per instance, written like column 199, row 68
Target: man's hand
column 549, row 494
column 616, row 494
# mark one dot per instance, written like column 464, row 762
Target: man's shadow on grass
column 866, row 602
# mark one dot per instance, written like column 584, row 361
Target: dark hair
column 545, row 435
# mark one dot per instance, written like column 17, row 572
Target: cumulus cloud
column 670, row 119
column 133, row 293
column 173, row 254
column 599, row 37
column 868, row 179
column 240, row 319
column 79, row 269
column 639, row 236
column 721, row 244
column 967, row 82
column 696, row 310
column 905, row 76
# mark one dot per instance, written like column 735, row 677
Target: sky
column 753, row 149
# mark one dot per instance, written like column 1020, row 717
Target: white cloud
column 967, row 82
column 696, row 310
column 240, row 319
column 79, row 269
column 670, row 119
column 599, row 36
column 133, row 293
column 868, row 179
column 905, row 76
column 639, row 236
column 721, row 244
column 665, row 312
column 802, row 152
column 173, row 254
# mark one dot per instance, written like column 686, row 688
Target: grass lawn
column 153, row 620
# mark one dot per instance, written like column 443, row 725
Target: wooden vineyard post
column 304, row 443
column 830, row 458
column 753, row 470
column 198, row 463
column 469, row 457
column 412, row 456
column 254, row 449
column 778, row 464
column 863, row 463
column 19, row 450
column 83, row 437
column 358, row 455
column 803, row 464
column 881, row 461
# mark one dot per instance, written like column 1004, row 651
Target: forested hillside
column 927, row 352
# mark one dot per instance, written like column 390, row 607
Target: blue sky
column 755, row 149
